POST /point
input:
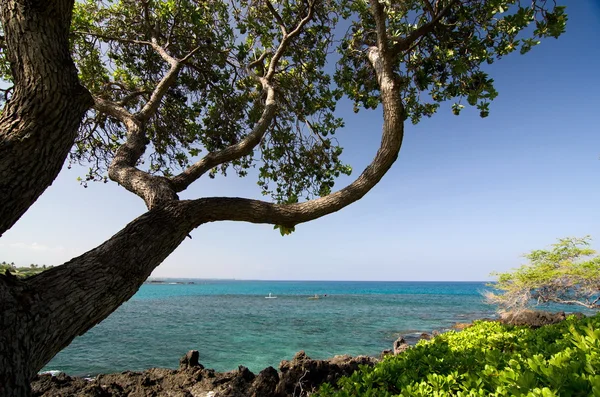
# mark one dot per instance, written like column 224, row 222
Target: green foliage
column 488, row 359
column 445, row 64
column 567, row 273
column 216, row 101
column 438, row 54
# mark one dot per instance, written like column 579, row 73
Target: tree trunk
column 39, row 124
column 41, row 315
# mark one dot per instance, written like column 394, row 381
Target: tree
column 568, row 273
column 181, row 89
column 40, row 122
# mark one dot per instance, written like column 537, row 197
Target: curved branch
column 240, row 149
column 152, row 189
column 276, row 16
column 256, row 211
column 167, row 81
column 406, row 42
column 115, row 110
column 287, row 39
column 245, row 146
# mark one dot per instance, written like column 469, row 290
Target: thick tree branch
column 68, row 300
column 256, row 211
column 39, row 123
column 379, row 15
column 406, row 42
column 115, row 110
column 154, row 190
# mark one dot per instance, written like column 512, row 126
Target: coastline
column 296, row 377
column 231, row 323
column 292, row 378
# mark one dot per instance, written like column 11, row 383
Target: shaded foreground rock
column 297, row 377
column 302, row 374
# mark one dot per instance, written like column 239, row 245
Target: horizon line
column 304, row 280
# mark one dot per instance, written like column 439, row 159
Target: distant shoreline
column 167, row 280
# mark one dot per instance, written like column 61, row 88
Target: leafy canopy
column 567, row 273
column 438, row 50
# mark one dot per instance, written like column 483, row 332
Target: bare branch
column 245, row 146
column 167, row 81
column 406, row 42
column 287, row 39
column 574, row 302
column 232, row 152
column 114, row 110
column 259, row 60
column 277, row 17
column 113, row 38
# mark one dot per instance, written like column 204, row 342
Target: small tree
column 568, row 273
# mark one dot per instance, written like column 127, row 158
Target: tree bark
column 41, row 315
column 40, row 121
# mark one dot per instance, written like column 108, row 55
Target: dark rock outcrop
column 191, row 359
column 265, row 383
column 532, row 318
column 298, row 377
column 302, row 375
column 400, row 345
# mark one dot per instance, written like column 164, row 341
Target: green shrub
column 488, row 359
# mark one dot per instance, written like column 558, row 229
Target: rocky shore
column 295, row 378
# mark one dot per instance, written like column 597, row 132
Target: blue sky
column 467, row 195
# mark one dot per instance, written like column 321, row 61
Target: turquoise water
column 231, row 323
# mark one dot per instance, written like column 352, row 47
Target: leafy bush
column 488, row 359
column 568, row 273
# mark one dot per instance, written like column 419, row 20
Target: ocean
column 231, row 323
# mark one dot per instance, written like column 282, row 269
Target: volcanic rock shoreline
column 297, row 377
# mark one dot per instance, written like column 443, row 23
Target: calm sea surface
column 231, row 323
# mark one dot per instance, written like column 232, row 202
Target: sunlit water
column 231, row 323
